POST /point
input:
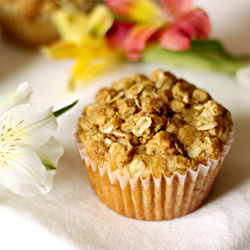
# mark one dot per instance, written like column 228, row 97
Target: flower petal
column 99, row 21
column 22, row 171
column 71, row 27
column 139, row 11
column 15, row 97
column 31, row 124
column 61, row 50
column 178, row 36
column 174, row 38
column 176, row 8
column 2, row 189
column 94, row 57
column 86, row 70
column 120, row 7
column 146, row 12
column 130, row 39
column 116, row 35
column 50, row 153
column 138, row 37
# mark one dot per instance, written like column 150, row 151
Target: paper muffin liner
column 153, row 198
column 31, row 33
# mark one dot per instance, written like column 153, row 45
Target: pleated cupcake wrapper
column 154, row 198
column 124, row 179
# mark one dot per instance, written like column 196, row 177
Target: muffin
column 152, row 147
column 29, row 21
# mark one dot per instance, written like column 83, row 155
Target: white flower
column 243, row 77
column 28, row 151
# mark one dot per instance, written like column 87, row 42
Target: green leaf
column 210, row 47
column 64, row 109
column 214, row 48
column 191, row 59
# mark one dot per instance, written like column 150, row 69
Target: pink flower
column 172, row 23
column 129, row 38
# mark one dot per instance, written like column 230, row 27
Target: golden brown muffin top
column 31, row 9
column 153, row 125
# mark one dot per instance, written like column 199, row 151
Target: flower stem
column 64, row 109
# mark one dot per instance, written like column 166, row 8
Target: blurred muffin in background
column 29, row 21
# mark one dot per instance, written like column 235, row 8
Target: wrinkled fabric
column 72, row 217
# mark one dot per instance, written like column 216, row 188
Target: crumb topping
column 153, row 125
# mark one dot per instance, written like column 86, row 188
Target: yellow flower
column 82, row 38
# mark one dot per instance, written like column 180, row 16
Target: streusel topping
column 153, row 125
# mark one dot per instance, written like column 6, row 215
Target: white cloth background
column 72, row 217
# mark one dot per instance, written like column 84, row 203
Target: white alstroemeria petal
column 15, row 97
column 48, row 185
column 22, row 171
column 31, row 124
column 50, row 153
column 2, row 188
column 243, row 77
